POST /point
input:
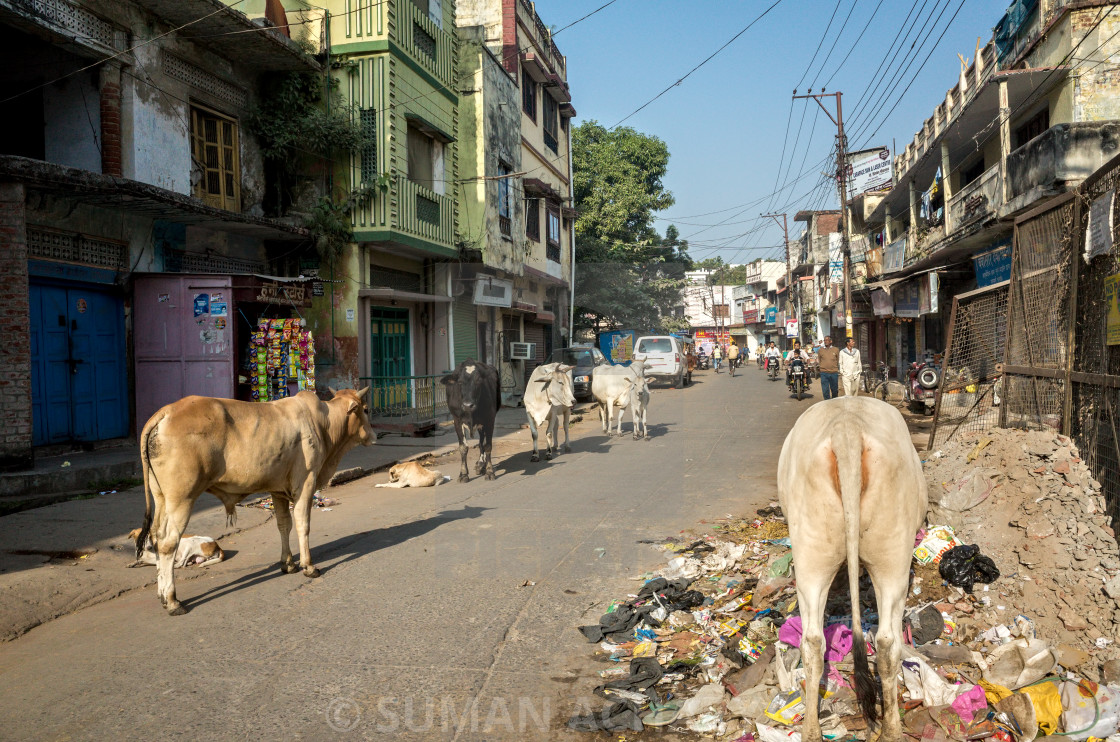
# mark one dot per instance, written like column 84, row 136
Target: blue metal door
column 78, row 381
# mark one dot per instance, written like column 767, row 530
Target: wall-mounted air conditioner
column 493, row 292
column 522, row 351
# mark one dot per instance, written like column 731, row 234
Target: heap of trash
column 1009, row 625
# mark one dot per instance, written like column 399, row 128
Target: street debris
column 265, row 503
column 1008, row 631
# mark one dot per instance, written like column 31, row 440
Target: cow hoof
column 176, row 609
column 548, row 455
column 312, row 573
column 464, row 478
column 491, row 476
column 288, row 568
column 534, row 458
column 567, row 449
column 478, row 469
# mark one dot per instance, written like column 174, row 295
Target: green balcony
column 408, row 213
column 429, row 45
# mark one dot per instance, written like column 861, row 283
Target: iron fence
column 969, row 394
column 406, row 403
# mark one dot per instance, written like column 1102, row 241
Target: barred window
column 533, row 219
column 368, row 122
column 214, row 149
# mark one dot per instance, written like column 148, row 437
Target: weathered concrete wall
column 72, row 122
column 336, row 339
column 1066, row 153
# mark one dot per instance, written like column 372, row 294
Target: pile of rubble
column 709, row 643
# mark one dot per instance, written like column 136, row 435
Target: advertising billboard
column 869, row 170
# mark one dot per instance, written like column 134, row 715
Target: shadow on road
column 519, row 463
column 351, row 547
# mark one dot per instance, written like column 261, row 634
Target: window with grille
column 550, row 110
column 505, row 203
column 368, row 121
column 533, row 219
column 528, row 95
column 214, row 149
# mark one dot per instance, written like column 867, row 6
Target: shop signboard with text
column 772, row 316
column 993, row 266
column 907, row 299
column 869, row 170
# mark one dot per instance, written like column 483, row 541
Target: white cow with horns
column 852, row 489
column 549, row 396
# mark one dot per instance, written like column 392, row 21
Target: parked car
column 666, row 358
column 584, row 360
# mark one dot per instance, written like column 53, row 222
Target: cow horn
column 333, row 391
column 363, row 392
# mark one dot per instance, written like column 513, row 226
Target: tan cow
column 852, row 488
column 288, row 447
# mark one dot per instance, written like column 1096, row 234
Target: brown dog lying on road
column 413, row 474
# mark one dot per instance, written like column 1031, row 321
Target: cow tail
column 148, row 474
column 847, row 447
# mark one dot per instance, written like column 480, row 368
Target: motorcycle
column 772, row 365
column 797, row 381
column 703, row 362
column 922, row 381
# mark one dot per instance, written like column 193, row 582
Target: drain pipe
column 572, row 251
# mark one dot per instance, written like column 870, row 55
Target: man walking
column 829, row 359
column 851, row 366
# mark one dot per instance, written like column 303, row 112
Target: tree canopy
column 627, row 274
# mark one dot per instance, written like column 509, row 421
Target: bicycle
column 885, row 387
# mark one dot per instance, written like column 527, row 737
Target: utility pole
column 842, row 181
column 789, row 268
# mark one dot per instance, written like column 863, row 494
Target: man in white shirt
column 851, row 367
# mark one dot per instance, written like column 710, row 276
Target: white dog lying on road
column 413, row 474
column 192, row 550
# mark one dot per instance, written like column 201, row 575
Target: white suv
column 665, row 358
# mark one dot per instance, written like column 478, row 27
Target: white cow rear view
column 852, row 488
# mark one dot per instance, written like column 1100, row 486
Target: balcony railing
column 1065, row 153
column 977, row 200
column 552, row 252
column 431, row 46
column 406, row 403
column 424, row 213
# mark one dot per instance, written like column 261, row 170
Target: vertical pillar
column 110, row 88
column 15, row 335
column 913, row 212
column 887, row 230
column 1004, row 139
column 946, row 186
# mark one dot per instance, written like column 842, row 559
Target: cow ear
column 363, row 392
column 448, row 380
column 352, row 407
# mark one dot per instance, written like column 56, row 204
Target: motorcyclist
column 795, row 359
column 772, row 354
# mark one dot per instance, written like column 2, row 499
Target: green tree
column 627, row 275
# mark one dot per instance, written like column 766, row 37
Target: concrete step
column 73, row 472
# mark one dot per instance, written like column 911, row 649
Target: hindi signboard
column 992, row 267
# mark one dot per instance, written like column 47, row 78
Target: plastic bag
column 1018, row 663
column 1079, row 710
column 964, row 566
column 970, row 491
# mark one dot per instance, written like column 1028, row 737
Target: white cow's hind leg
column 813, row 581
column 618, row 422
column 533, row 430
column 567, row 415
column 303, row 527
column 890, row 597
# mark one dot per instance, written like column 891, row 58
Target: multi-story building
column 132, row 195
column 516, row 229
column 811, row 273
column 752, row 302
column 395, row 62
column 1033, row 114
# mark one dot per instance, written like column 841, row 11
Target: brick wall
column 110, row 119
column 15, row 333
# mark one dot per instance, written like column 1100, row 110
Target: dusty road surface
column 442, row 613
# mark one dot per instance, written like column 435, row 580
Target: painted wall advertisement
column 1112, row 299
column 993, row 267
column 618, row 345
column 869, row 170
column 750, row 316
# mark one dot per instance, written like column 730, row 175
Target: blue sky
column 726, row 125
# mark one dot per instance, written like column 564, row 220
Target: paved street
column 421, row 625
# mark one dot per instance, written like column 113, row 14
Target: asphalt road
column 422, row 625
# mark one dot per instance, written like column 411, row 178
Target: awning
column 395, row 295
column 886, row 283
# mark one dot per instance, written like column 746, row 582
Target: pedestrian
column 828, row 359
column 732, row 357
column 851, row 367
column 717, row 356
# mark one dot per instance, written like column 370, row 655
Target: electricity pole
column 789, row 268
column 842, row 181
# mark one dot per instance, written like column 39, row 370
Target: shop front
column 236, row 336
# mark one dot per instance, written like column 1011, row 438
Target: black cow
column 473, row 398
